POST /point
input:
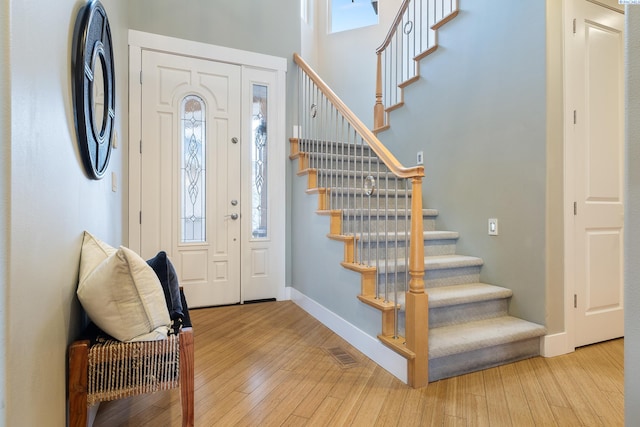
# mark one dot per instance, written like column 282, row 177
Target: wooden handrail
column 416, row 300
column 394, row 26
column 374, row 143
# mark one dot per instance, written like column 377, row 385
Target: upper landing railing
column 412, row 36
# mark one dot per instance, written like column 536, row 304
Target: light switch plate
column 493, row 226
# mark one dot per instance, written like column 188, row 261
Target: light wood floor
column 267, row 364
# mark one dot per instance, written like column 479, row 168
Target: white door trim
column 569, row 193
column 139, row 41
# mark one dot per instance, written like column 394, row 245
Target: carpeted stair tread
column 467, row 337
column 465, row 294
column 438, row 262
column 435, row 262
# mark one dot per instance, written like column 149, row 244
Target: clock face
column 93, row 87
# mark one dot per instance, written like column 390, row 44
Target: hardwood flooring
column 269, row 364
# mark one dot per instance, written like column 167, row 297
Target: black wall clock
column 93, row 87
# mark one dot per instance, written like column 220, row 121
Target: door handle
column 233, row 216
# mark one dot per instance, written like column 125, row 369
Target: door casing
column 139, row 41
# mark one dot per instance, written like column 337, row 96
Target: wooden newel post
column 378, row 109
column 417, row 301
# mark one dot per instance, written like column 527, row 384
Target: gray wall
column 479, row 115
column 632, row 218
column 317, row 273
column 271, row 28
column 350, row 72
column 51, row 201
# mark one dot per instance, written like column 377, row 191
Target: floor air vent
column 343, row 358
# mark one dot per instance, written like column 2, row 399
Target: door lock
column 233, row 216
column 234, row 203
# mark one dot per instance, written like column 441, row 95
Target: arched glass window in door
column 259, row 151
column 193, row 170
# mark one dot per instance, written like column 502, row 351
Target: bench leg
column 187, row 377
column 78, row 354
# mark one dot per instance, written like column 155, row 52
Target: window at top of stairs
column 351, row 14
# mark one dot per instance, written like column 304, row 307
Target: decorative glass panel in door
column 259, row 151
column 193, row 165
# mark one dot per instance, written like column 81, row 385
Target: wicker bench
column 103, row 369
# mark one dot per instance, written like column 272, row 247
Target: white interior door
column 596, row 93
column 190, row 172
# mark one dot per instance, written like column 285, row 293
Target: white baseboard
column 370, row 346
column 555, row 345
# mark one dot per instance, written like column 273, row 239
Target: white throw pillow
column 94, row 251
column 122, row 294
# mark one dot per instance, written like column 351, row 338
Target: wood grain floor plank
column 439, row 401
column 393, row 405
column 314, row 398
column 373, row 400
column 325, row 412
column 562, row 370
column 516, row 399
column 352, row 397
column 477, row 414
column 497, row 405
column 553, row 391
column 412, row 413
column 565, row 416
column 534, row 394
column 604, row 370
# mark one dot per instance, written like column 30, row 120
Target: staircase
column 434, row 310
column 469, row 325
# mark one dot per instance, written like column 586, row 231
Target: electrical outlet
column 493, row 226
column 419, row 158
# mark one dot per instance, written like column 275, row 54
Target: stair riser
column 357, row 180
column 356, row 225
column 462, row 313
column 432, row 278
column 391, row 250
column 342, row 200
column 475, row 360
column 336, row 163
column 451, row 276
column 336, row 148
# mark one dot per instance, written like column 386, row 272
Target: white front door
column 190, row 195
column 596, row 93
column 206, row 182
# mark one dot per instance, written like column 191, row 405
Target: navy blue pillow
column 169, row 281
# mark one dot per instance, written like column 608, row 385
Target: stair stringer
column 367, row 274
column 417, row 60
